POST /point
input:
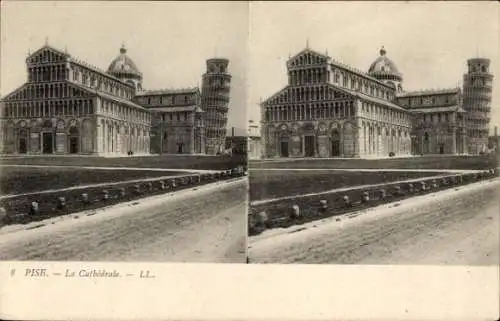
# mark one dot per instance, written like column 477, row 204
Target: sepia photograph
column 379, row 132
column 249, row 160
column 123, row 131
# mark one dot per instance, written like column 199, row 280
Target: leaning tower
column 214, row 102
column 477, row 90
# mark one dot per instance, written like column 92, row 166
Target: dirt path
column 207, row 225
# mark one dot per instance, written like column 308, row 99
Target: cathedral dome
column 123, row 67
column 384, row 68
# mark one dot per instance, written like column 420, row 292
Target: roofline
column 81, row 63
column 106, row 95
column 5, row 97
column 218, row 59
column 64, row 53
column 360, row 73
column 309, row 50
column 434, row 109
column 99, row 71
column 353, row 93
column 159, row 93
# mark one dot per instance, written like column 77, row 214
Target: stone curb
column 288, row 212
column 7, row 229
column 64, row 203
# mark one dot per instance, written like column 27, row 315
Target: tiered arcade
column 70, row 107
column 214, row 102
column 477, row 88
column 329, row 109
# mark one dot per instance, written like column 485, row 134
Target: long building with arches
column 68, row 106
column 329, row 109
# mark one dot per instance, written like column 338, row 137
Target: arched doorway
column 164, row 143
column 23, row 141
column 309, row 140
column 335, row 148
column 426, row 143
column 86, row 134
column 10, row 138
column 284, row 146
column 74, row 138
column 48, row 138
column 349, row 140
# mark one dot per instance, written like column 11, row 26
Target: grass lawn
column 424, row 162
column 15, row 180
column 270, row 184
column 18, row 207
column 166, row 161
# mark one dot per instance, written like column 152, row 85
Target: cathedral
column 68, row 106
column 329, row 109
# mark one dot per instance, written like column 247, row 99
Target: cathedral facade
column 329, row 109
column 70, row 107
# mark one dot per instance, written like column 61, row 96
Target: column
column 370, row 140
column 105, row 137
column 454, row 142
column 374, row 145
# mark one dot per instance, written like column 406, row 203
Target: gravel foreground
column 446, row 228
column 194, row 226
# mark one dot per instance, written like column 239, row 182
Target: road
column 205, row 225
column 453, row 227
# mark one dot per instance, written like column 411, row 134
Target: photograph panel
column 379, row 139
column 123, row 131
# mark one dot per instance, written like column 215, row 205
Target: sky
column 429, row 42
column 168, row 41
